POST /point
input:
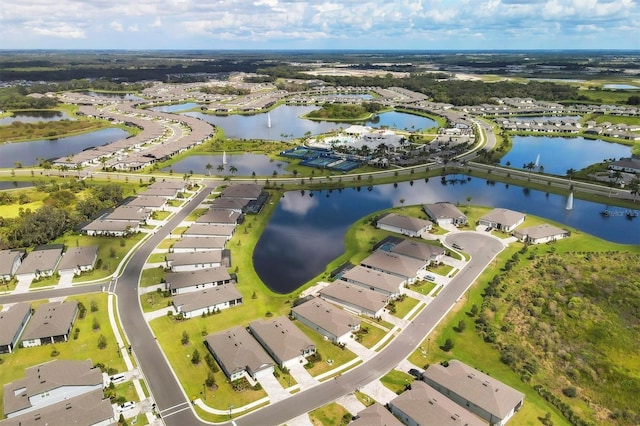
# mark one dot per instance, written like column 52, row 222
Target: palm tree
column 570, row 173
column 209, row 166
column 541, row 168
column 233, row 170
column 220, row 168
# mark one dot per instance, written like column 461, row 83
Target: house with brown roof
column 209, row 300
column 282, row 340
column 77, row 260
column 425, row 252
column 111, row 228
column 445, row 214
column 50, row 383
column 167, row 193
column 51, row 323
column 423, row 405
column 405, row 225
column 41, row 262
column 355, row 298
column 540, row 234
column 149, row 202
column 481, row 394
column 239, row 354
column 12, row 323
column 191, row 261
column 245, row 191
column 130, row 214
column 376, row 414
column 10, row 261
column 327, row 319
column 185, row 245
column 209, row 230
column 220, row 217
column 502, row 219
column 91, row 409
column 201, row 279
column 227, row 203
column 386, row 284
column 399, row 265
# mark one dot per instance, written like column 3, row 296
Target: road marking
column 175, row 412
column 175, row 406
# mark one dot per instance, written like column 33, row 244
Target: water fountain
column 570, row 201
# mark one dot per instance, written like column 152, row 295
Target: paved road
column 48, row 294
column 483, row 249
column 170, row 399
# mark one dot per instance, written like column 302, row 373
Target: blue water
column 176, row 107
column 621, row 87
column 14, row 184
column 35, row 117
column 558, row 155
column 246, row 165
column 306, row 232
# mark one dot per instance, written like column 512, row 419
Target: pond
column 306, row 232
column 109, row 95
column 5, row 184
column 35, row 116
column 557, row 155
column 621, row 87
column 30, row 153
column 286, row 123
column 246, row 165
column 176, row 108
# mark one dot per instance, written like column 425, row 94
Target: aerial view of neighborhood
column 322, row 236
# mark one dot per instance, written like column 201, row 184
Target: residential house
column 445, row 214
column 423, row 405
column 226, row 203
column 539, row 234
column 628, row 165
column 191, row 261
column 209, row 300
column 190, row 281
column 355, row 298
column 405, row 225
column 375, row 414
column 424, row 252
column 285, row 342
column 245, row 191
column 399, row 265
column 130, row 214
column 91, row 409
column 51, row 323
column 149, row 202
column 167, row 193
column 77, row 260
column 220, row 217
column 39, row 263
column 209, row 230
column 186, row 245
column 10, row 261
column 50, row 383
column 111, row 228
column 327, row 319
column 481, row 394
column 502, row 219
column 12, row 323
column 386, row 284
column 239, row 354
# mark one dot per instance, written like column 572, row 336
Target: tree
column 185, row 338
column 448, row 345
column 211, row 380
column 220, row 168
column 96, row 325
column 570, row 173
column 461, row 326
column 208, row 167
column 102, row 342
column 195, row 357
column 233, row 169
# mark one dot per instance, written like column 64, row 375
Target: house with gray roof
column 91, row 409
column 239, row 354
column 445, row 214
column 129, row 213
column 227, row 203
column 50, row 383
column 12, row 323
column 425, row 252
column 220, row 217
column 540, row 234
column 209, row 300
column 168, row 193
column 627, row 165
column 149, row 202
column 245, row 191
column 355, row 298
column 481, row 394
column 386, row 284
column 201, row 279
column 77, row 260
column 423, row 405
column 285, row 342
column 399, row 265
column 191, row 261
column 111, row 228
column 185, row 245
column 327, row 319
column 10, row 261
column 502, row 219
column 376, row 414
column 41, row 262
column 405, row 225
column 210, row 230
column 179, row 184
column 51, row 323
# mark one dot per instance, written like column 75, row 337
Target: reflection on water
column 14, row 184
column 35, row 117
column 245, row 164
column 307, row 229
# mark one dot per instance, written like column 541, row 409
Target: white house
column 540, row 234
column 327, row 319
column 10, row 261
column 502, row 219
column 405, row 225
column 285, row 342
column 207, row 301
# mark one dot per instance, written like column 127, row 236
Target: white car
column 126, row 406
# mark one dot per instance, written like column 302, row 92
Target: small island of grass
column 345, row 112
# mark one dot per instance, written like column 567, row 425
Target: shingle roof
column 282, row 337
column 194, row 257
column 417, row 250
column 7, row 258
column 355, row 295
column 105, row 225
column 393, row 263
column 193, row 278
column 405, row 222
column 243, row 190
column 201, row 243
column 81, row 256
column 541, row 231
column 10, row 320
column 213, row 296
column 206, row 229
column 376, row 279
column 51, row 319
column 237, row 350
column 40, row 260
column 331, row 318
column 444, row 211
column 503, row 216
column 219, row 216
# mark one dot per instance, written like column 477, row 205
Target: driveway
column 66, row 279
column 272, row 387
column 302, row 376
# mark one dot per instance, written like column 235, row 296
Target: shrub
column 448, row 345
column 102, row 342
column 570, row 392
column 195, row 357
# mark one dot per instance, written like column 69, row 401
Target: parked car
column 117, row 378
column 457, row 246
column 429, row 278
column 416, row 373
column 126, row 406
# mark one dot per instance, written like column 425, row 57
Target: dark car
column 416, row 373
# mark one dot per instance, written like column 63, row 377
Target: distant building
column 327, row 319
column 51, row 323
column 481, row 394
column 199, row 230
column 245, row 191
column 12, row 323
column 428, row 253
column 197, row 280
column 199, row 244
column 445, row 214
column 399, row 265
column 192, row 261
column 111, row 228
column 387, row 284
column 627, row 165
column 285, row 342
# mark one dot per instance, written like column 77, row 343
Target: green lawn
column 85, row 347
column 161, row 215
column 327, row 350
column 167, row 243
column 153, row 301
column 441, row 269
column 404, row 306
column 372, row 336
column 45, row 282
column 151, row 276
column 157, row 258
column 423, row 287
column 396, row 380
column 328, row 415
column 195, row 214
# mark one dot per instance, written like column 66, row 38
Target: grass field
column 396, row 380
column 404, row 306
column 332, row 414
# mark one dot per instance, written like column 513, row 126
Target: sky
column 320, row 24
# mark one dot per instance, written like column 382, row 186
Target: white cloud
column 116, row 26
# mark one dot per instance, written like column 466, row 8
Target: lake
column 176, row 107
column 123, row 96
column 306, row 232
column 246, row 165
column 558, row 155
column 35, row 116
column 29, row 153
column 14, row 184
column 621, row 87
column 286, row 123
